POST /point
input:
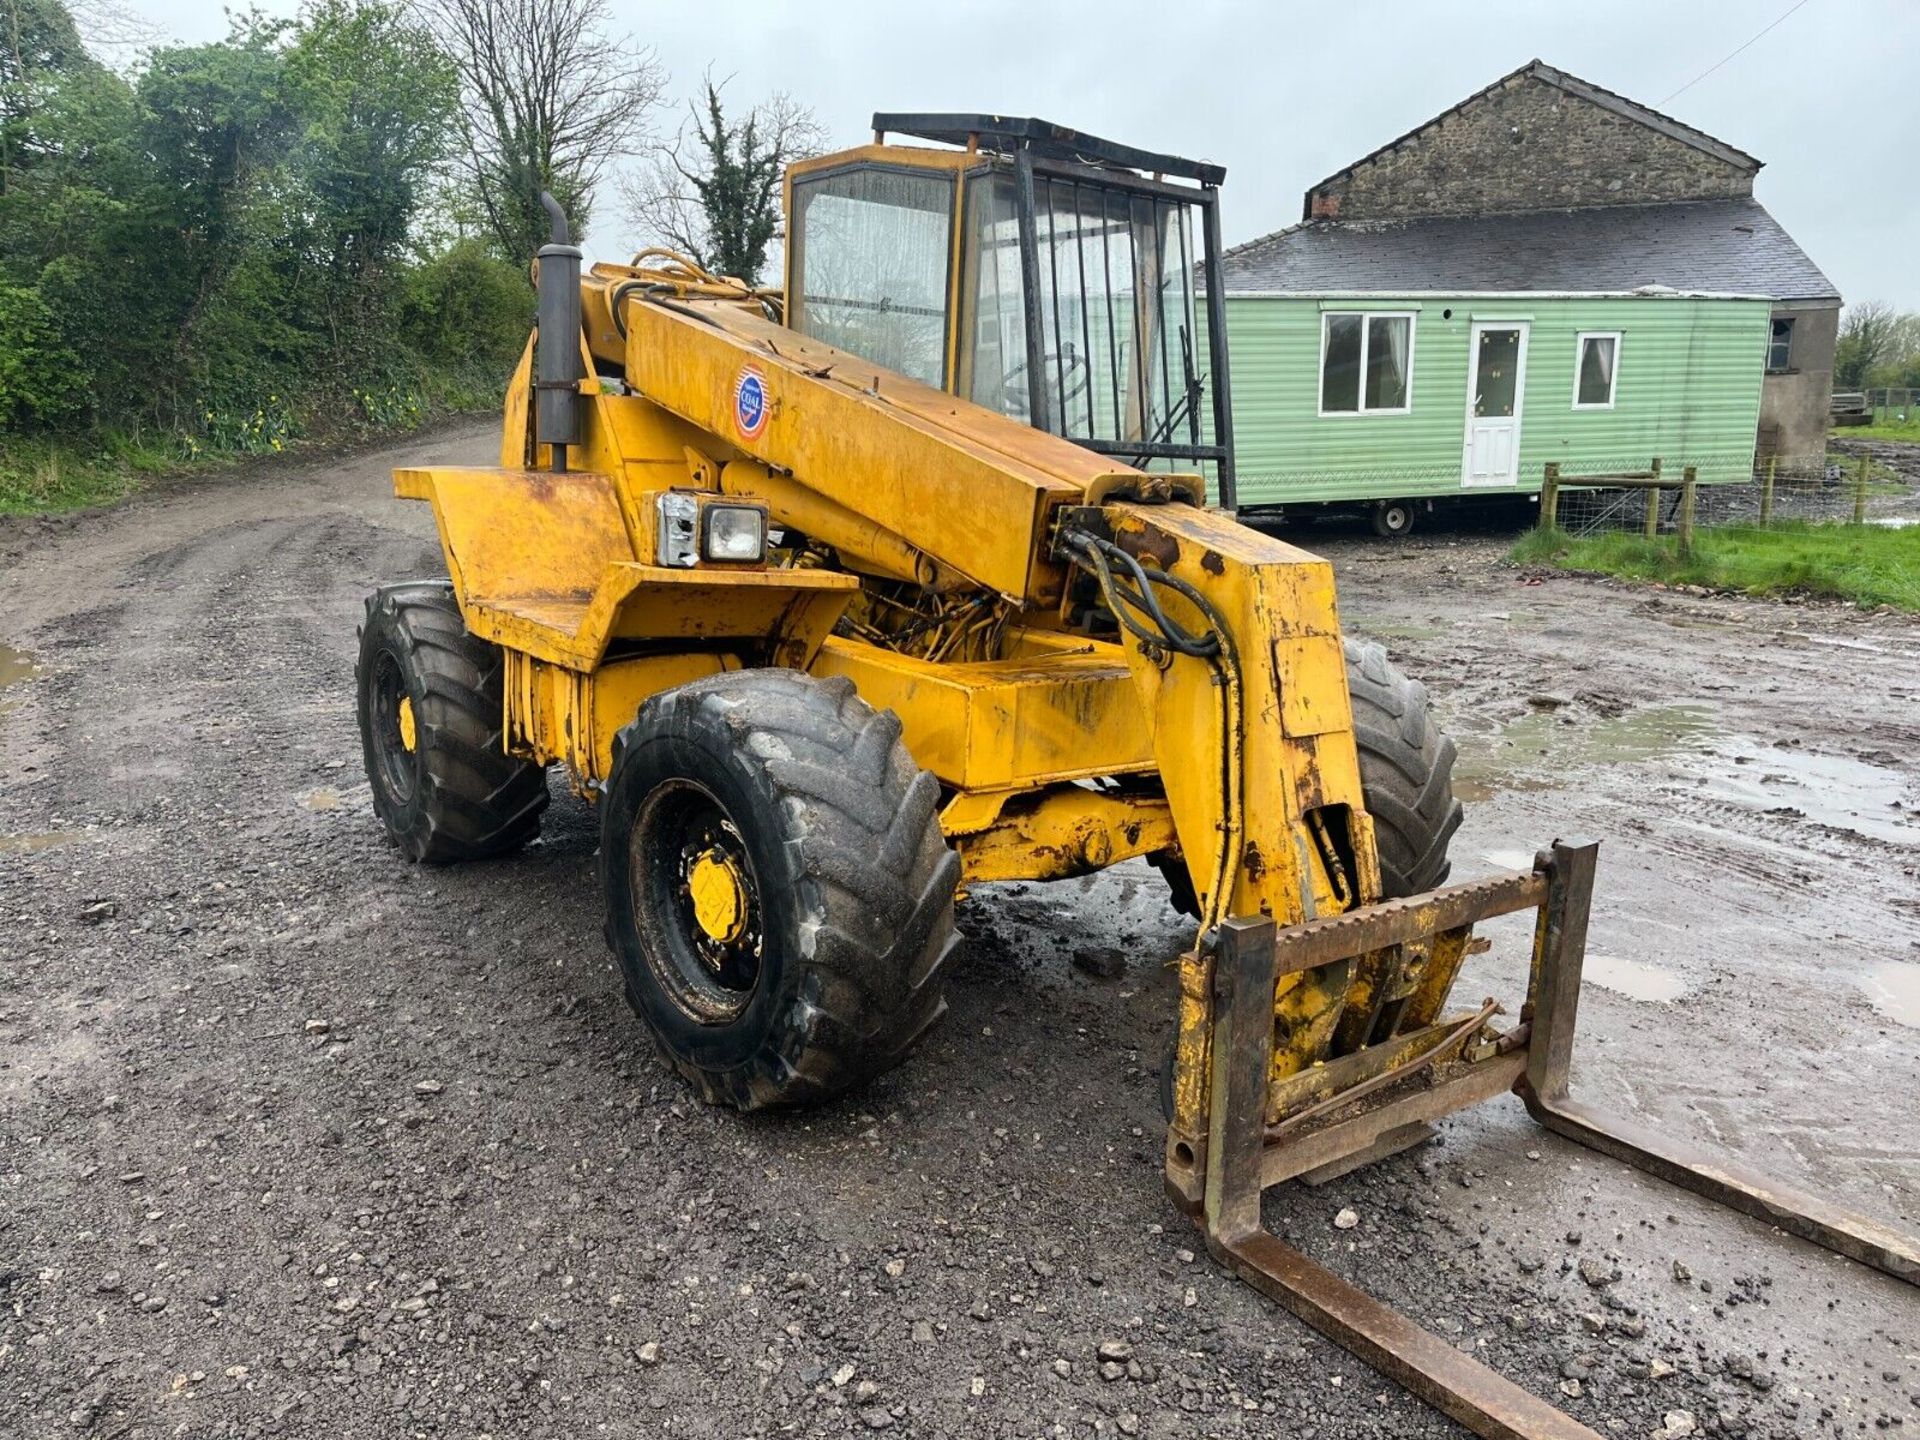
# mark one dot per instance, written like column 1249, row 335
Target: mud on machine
column 836, row 597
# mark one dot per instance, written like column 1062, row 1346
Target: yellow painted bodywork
column 1058, row 753
column 1003, row 724
column 1055, row 833
column 556, row 712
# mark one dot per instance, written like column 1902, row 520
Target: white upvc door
column 1496, row 383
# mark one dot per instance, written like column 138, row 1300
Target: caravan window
column 1366, row 363
column 1597, row 359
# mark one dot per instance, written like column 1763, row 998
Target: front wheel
column 779, row 894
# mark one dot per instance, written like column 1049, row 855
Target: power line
column 1711, row 68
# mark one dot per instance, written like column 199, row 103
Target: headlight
column 679, row 522
column 735, row 533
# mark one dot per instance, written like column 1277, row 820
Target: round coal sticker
column 750, row 407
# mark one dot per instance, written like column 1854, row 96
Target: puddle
column 1635, row 979
column 1831, row 790
column 1537, row 751
column 322, row 798
column 31, row 844
column 1506, row 859
column 1893, row 988
column 15, row 666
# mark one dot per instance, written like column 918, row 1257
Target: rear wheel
column 779, row 894
column 1406, row 779
column 430, row 709
column 1392, row 518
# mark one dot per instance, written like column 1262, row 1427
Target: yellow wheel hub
column 719, row 896
column 408, row 736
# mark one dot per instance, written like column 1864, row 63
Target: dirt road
column 298, row 1140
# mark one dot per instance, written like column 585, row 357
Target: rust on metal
column 1326, row 1144
column 1457, row 1385
column 1449, row 1039
column 1679, row 1163
column 1417, row 917
column 1559, row 959
column 1244, row 979
column 1245, row 974
column 1372, row 1102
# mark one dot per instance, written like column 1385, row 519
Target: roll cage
column 1047, row 274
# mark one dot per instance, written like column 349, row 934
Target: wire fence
column 1859, row 485
column 1893, row 404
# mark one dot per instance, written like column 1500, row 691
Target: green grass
column 40, row 475
column 1867, row 564
column 1887, row 429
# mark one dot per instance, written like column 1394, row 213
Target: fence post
column 1766, row 493
column 1687, row 478
column 1550, row 497
column 1653, row 502
column 1860, row 492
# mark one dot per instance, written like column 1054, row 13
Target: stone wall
column 1526, row 145
column 1794, row 402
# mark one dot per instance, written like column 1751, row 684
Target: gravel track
column 296, row 1139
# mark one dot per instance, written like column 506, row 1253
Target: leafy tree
column 379, row 101
column 38, row 44
column 1866, row 333
column 550, row 100
column 41, row 382
column 466, row 299
column 217, row 128
column 714, row 192
column 236, row 239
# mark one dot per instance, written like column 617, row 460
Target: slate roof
column 1729, row 247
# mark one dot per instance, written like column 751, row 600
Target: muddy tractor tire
column 430, row 708
column 1406, row 772
column 779, row 893
column 1406, row 776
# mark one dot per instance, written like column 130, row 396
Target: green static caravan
column 1380, row 362
column 1368, row 398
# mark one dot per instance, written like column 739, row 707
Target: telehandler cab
column 838, row 597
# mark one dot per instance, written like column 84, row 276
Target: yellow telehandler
column 903, row 577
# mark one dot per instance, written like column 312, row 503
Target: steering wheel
column 1075, row 378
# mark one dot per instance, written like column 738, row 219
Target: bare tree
column 114, row 32
column 713, row 191
column 550, row 99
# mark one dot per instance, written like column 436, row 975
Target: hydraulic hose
column 1139, row 611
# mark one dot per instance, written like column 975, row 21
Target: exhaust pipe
column 557, row 370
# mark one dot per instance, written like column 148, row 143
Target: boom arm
column 970, row 490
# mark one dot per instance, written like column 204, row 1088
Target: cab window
column 870, row 262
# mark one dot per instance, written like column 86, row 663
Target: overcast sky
column 1283, row 94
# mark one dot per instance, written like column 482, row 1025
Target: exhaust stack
column 557, row 369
